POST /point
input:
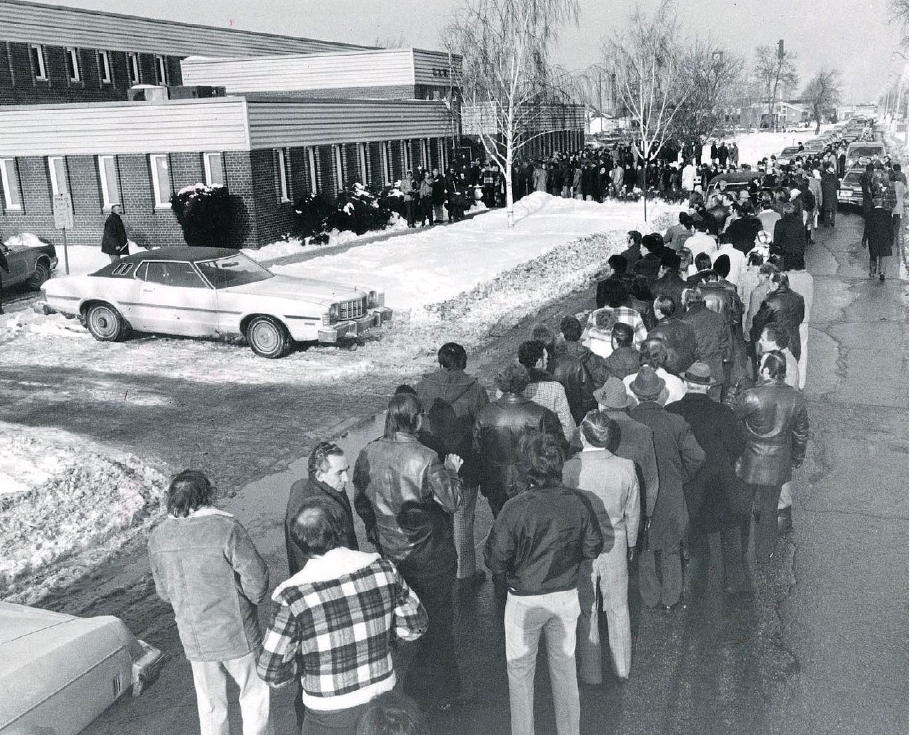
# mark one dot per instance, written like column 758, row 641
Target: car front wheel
column 268, row 337
column 104, row 323
column 41, row 274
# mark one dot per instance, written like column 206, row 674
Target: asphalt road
column 821, row 648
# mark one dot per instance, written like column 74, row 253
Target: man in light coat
column 611, row 485
column 205, row 565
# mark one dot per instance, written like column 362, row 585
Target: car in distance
column 59, row 672
column 790, row 152
column 215, row 293
column 28, row 264
column 862, row 152
column 850, row 191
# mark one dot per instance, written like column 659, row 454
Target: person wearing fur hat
column 679, row 457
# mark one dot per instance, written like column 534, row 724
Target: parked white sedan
column 213, row 292
column 59, row 672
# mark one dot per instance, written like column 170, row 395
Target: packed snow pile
column 74, row 508
column 439, row 263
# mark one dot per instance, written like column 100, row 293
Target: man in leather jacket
column 782, row 306
column 677, row 335
column 776, row 428
column 498, row 431
column 580, row 371
column 406, row 498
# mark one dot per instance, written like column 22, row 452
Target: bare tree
column 398, row 41
column 775, row 72
column 716, row 77
column 899, row 15
column 823, row 94
column 652, row 81
column 507, row 85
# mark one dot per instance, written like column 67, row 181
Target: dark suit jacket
column 304, row 490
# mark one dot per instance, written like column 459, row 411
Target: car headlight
column 331, row 315
column 375, row 298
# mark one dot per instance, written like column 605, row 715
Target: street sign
column 63, row 211
column 63, row 220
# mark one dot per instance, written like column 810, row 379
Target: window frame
column 363, row 160
column 106, row 199
column 207, row 167
column 314, row 171
column 283, row 170
column 73, row 71
column 161, row 70
column 338, row 161
column 39, row 63
column 425, row 154
column 388, row 170
column 132, row 64
column 156, row 183
column 407, row 155
column 51, row 172
column 105, row 70
column 5, row 175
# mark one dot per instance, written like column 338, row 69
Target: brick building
column 300, row 116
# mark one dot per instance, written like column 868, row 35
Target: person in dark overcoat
column 114, row 240
column 879, row 237
column 718, row 500
column 678, row 459
column 830, row 185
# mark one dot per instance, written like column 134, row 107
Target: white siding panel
column 274, row 124
column 480, row 118
column 290, row 73
column 59, row 26
column 120, row 128
column 430, row 67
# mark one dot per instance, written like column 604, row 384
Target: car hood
column 17, row 621
column 299, row 289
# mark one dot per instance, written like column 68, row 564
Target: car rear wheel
column 104, row 323
column 41, row 274
column 268, row 337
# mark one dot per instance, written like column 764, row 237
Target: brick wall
column 351, row 165
column 18, row 84
column 377, row 172
column 274, row 218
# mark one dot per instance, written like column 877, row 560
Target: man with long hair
column 205, row 565
column 406, row 498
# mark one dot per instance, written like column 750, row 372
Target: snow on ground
column 436, row 264
column 460, row 281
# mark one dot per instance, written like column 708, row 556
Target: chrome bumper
column 355, row 327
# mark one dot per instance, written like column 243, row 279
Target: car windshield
column 866, row 150
column 235, row 270
column 852, row 178
column 789, row 151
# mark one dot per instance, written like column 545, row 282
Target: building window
column 104, row 67
column 339, row 166
column 9, row 178
column 72, row 64
column 406, row 152
column 387, row 171
column 161, row 180
column 364, row 167
column 110, row 181
column 284, row 175
column 132, row 66
column 37, row 52
column 314, row 174
column 160, row 70
column 214, row 169
column 442, row 154
column 424, row 153
column 56, row 166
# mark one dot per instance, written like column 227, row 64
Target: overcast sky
column 850, row 35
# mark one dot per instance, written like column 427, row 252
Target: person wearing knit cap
column 678, row 459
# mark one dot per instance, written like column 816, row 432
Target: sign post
column 63, row 220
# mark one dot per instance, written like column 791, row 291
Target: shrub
column 205, row 214
column 355, row 209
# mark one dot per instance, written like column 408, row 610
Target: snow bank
column 74, row 505
column 439, row 263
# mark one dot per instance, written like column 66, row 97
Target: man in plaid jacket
column 335, row 623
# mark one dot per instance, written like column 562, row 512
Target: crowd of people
column 613, row 446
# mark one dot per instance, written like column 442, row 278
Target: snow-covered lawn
column 462, row 282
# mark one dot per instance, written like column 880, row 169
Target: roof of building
column 31, row 22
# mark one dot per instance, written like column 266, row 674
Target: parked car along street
column 28, row 264
column 59, row 672
column 215, row 293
